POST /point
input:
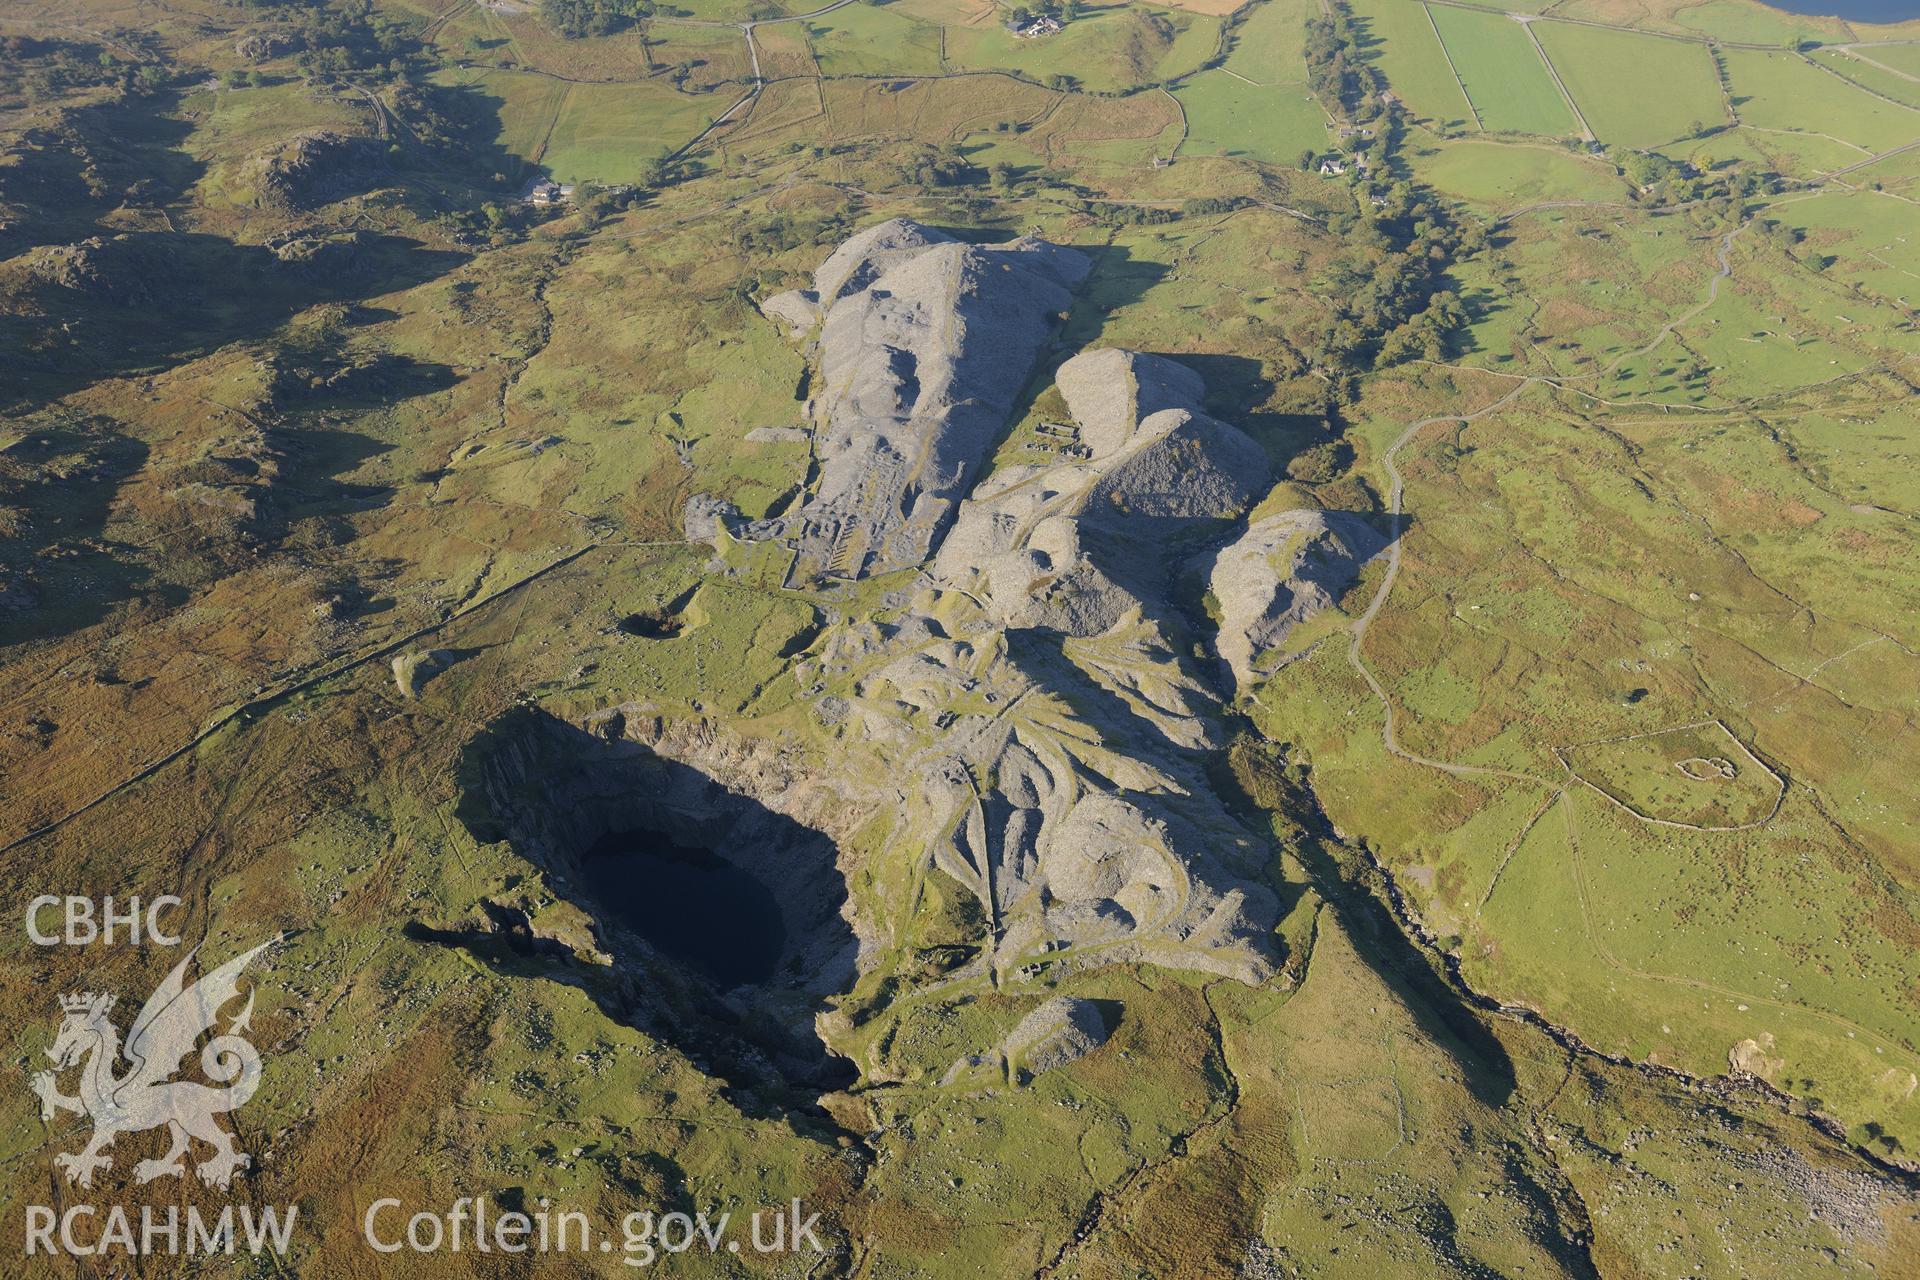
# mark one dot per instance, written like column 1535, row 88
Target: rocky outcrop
column 320, row 255
column 924, row 344
column 1283, row 570
column 314, row 168
column 269, row 43
column 1029, row 718
column 128, row 270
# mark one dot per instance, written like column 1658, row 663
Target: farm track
column 1566, row 95
column 1562, row 796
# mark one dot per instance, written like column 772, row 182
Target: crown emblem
column 81, row 1001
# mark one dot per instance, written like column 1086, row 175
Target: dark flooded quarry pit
column 689, row 902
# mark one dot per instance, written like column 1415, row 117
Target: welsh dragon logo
column 145, row 1095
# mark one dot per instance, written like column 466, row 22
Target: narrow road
column 1526, row 24
column 1396, row 499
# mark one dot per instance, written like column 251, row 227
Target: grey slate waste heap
column 924, row 344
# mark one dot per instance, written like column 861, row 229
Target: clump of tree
column 1387, row 288
column 1336, row 72
column 1130, row 215
column 939, row 167
column 576, row 19
column 349, row 40
column 34, row 70
column 1055, row 9
column 1659, row 180
column 1204, row 205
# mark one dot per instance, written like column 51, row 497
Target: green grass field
column 1782, row 91
column 1869, row 236
column 1505, row 175
column 1503, row 73
column 1267, row 46
column 871, row 40
column 1901, row 57
column 1274, row 118
column 604, row 133
column 1875, row 77
column 608, row 133
column 1634, row 90
column 1227, row 116
column 1747, row 22
column 1104, row 49
column 1400, row 39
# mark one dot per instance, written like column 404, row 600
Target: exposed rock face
column 1075, row 546
column 1029, row 718
column 1285, row 569
column 924, row 343
column 260, row 46
column 125, row 269
column 319, row 254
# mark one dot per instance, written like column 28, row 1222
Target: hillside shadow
column 723, row 918
column 61, row 184
column 143, row 299
column 1445, row 1013
column 57, row 574
column 1237, row 383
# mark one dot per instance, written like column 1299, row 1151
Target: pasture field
column 708, row 55
column 1693, row 775
column 524, row 106
column 1401, row 41
column 1502, row 73
column 1104, row 50
column 532, row 44
column 1783, row 91
column 1799, row 155
column 1267, row 46
column 873, row 40
column 1574, row 290
column 1526, row 879
column 1507, row 175
column 1634, row 90
column 947, row 13
column 1748, row 22
column 1520, row 6
column 784, row 51
column 1272, row 124
column 1871, row 239
column 1740, row 346
column 1274, row 118
column 608, row 133
column 1857, row 67
column 1901, row 57
column 581, row 132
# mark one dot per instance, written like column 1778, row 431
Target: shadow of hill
column 1236, row 386
column 611, row 822
column 58, row 484
column 144, row 299
column 1260, row 785
column 64, row 177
